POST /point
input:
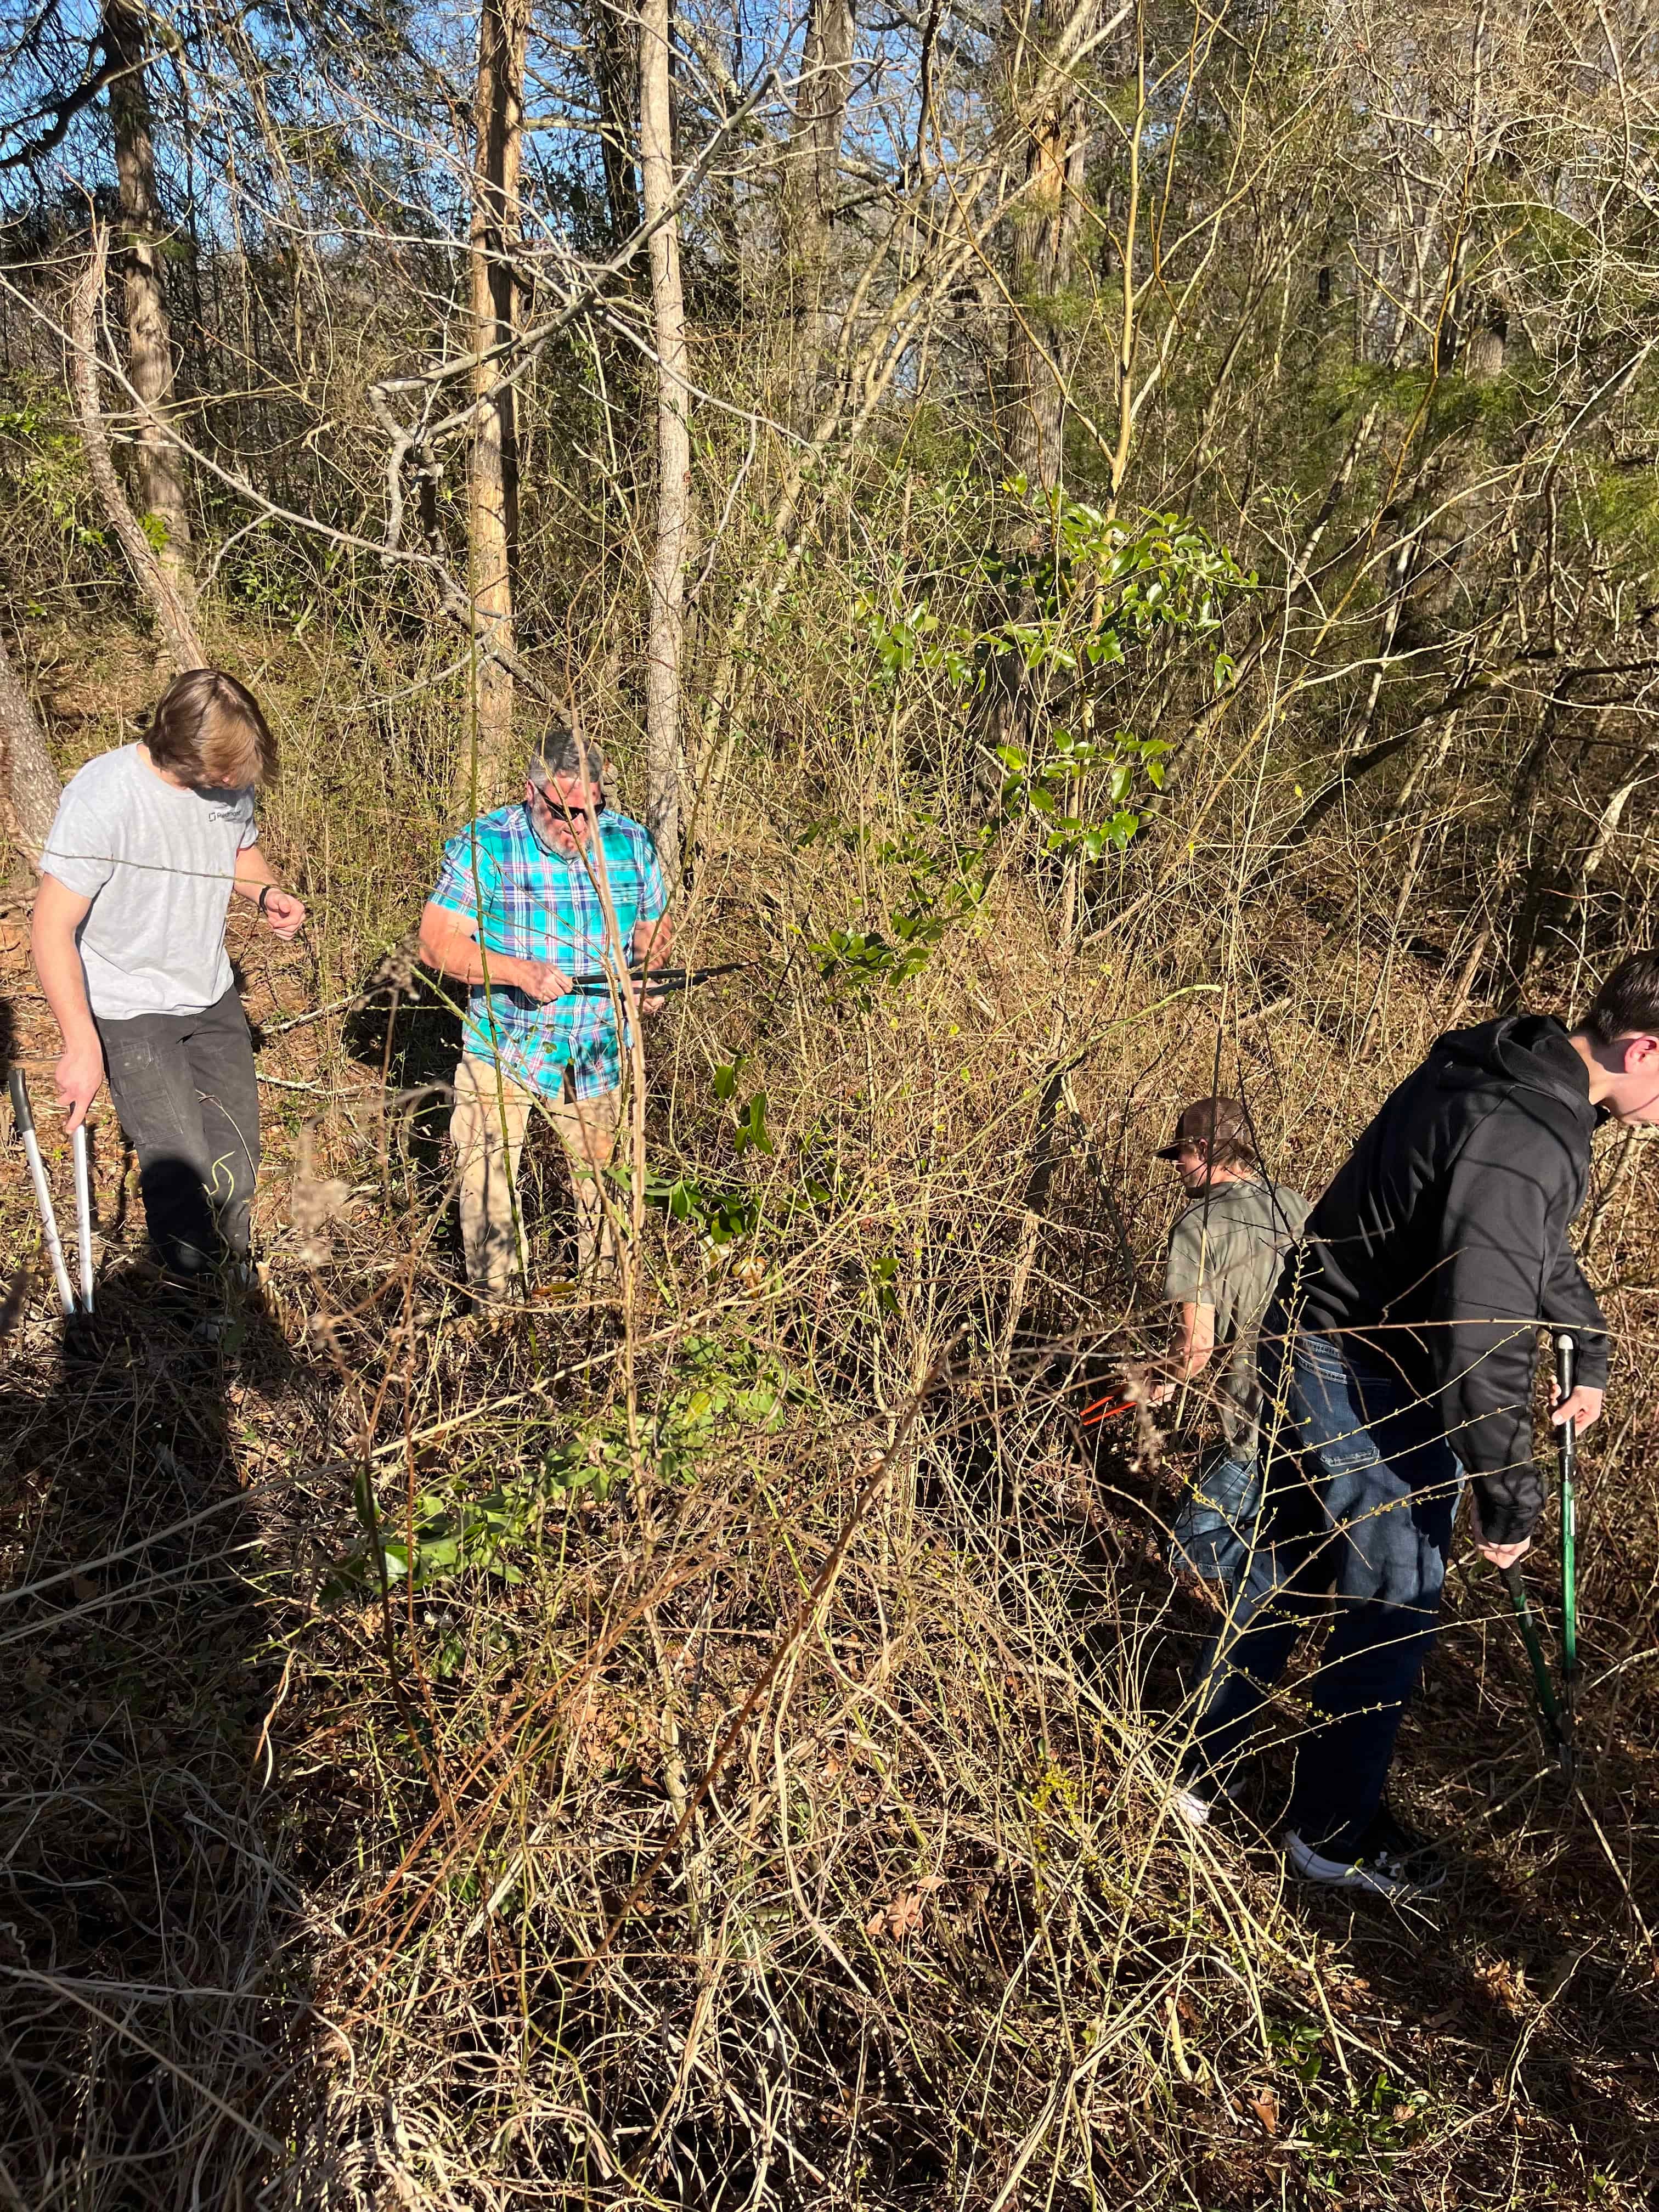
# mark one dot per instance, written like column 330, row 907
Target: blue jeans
column 1214, row 1527
column 1361, row 1490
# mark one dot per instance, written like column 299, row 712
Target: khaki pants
column 488, row 1171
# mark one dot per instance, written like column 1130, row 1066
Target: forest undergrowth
column 715, row 1751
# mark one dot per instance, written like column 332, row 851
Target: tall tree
column 171, row 603
column 612, row 40
column 665, row 640
column 1045, row 232
column 812, row 177
column 493, row 482
column 162, row 485
column 31, row 787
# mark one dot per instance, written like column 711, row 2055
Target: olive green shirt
column 1226, row 1250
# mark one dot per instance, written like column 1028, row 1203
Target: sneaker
column 1385, row 1859
column 1198, row 1798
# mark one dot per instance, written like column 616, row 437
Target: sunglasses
column 555, row 807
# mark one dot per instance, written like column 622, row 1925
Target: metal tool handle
column 598, row 984
column 84, row 1215
column 1566, row 1365
column 24, row 1116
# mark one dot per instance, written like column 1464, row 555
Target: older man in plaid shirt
column 519, row 914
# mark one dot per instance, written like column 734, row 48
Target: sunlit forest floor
column 763, row 1799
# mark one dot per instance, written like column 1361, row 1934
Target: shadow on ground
column 146, row 2008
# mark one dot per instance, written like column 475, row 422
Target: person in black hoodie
column 1399, row 1356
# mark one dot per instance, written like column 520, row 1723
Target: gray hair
column 562, row 752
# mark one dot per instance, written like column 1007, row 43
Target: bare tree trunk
column 1044, row 225
column 31, row 785
column 812, row 177
column 493, row 482
column 666, row 638
column 1045, row 237
column 173, row 607
column 1484, row 353
column 1046, row 103
column 612, row 37
column 1396, row 588
column 160, row 469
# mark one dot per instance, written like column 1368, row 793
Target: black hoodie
column 1443, row 1243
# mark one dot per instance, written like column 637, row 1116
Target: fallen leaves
column 1505, row 1984
column 1265, row 2105
column 904, row 1918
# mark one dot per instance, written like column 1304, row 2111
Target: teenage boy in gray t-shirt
column 129, row 943
column 1226, row 1250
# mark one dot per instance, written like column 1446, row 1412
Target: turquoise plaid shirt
column 537, row 905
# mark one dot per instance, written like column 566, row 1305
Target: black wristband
column 266, row 890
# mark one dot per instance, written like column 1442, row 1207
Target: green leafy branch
column 1053, row 789
column 1081, row 590
column 719, row 1391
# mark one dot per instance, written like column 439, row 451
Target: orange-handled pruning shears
column 1103, row 1409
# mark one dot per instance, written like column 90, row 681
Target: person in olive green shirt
column 1226, row 1252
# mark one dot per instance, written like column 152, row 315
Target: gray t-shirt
column 1226, row 1250
column 157, row 863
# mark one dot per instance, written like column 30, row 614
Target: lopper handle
column 598, row 984
column 1104, row 1409
column 22, row 1112
column 1566, row 1377
column 1566, row 1365
column 84, row 1216
column 20, row 1106
column 1549, row 1712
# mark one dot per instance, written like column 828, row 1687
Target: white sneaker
column 1387, row 1860
column 1197, row 1802
column 1192, row 1806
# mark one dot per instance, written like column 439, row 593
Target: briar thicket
column 1117, row 549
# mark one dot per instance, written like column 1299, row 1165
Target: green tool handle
column 1548, row 1712
column 1566, row 1365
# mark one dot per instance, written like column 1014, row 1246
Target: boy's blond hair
column 209, row 729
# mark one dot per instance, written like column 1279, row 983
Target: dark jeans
column 1215, row 1525
column 1361, row 1490
column 184, row 1089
